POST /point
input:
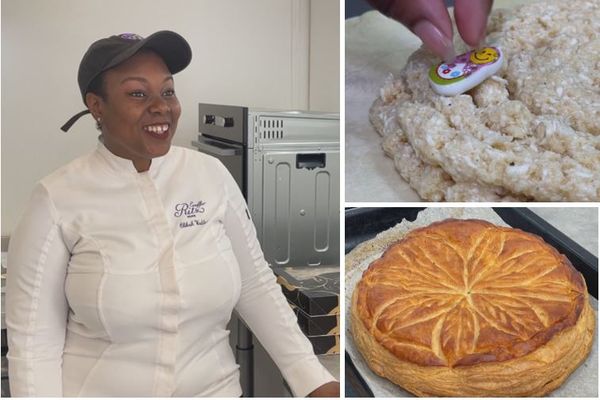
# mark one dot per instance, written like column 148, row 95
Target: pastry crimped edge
column 534, row 374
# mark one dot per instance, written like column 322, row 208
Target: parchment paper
column 376, row 47
column 583, row 382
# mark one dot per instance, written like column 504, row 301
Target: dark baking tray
column 364, row 223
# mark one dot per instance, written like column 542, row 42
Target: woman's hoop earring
column 99, row 123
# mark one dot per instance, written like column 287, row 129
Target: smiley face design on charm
column 484, row 56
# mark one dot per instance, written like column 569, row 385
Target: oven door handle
column 217, row 148
column 218, row 120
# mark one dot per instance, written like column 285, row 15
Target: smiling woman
column 137, row 109
column 129, row 261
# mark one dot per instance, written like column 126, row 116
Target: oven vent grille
column 271, row 128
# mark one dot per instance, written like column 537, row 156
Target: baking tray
column 365, row 223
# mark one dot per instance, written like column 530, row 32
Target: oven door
column 295, row 205
column 223, row 122
column 230, row 154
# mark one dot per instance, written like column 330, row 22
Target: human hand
column 330, row 389
column 429, row 20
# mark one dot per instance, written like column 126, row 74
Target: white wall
column 324, row 75
column 257, row 53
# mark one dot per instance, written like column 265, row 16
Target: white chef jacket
column 121, row 284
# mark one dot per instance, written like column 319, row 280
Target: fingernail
column 435, row 40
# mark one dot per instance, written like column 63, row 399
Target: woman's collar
column 124, row 165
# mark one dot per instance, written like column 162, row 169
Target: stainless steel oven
column 287, row 164
column 224, row 135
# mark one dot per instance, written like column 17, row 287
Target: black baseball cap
column 109, row 52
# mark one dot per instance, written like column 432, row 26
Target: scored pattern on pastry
column 464, row 292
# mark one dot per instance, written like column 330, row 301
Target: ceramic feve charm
column 466, row 71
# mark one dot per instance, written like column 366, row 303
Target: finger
column 471, row 19
column 428, row 19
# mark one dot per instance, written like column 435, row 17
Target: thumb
column 471, row 19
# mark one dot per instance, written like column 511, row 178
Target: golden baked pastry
column 467, row 308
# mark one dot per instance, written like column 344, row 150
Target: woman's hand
column 330, row 389
column 429, row 20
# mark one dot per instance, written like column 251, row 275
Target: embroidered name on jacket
column 191, row 211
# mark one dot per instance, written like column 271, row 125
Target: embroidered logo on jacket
column 191, row 211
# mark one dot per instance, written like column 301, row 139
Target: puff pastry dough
column 466, row 308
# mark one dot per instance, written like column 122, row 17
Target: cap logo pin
column 130, row 36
